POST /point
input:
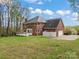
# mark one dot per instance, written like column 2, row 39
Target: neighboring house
column 38, row 26
column 53, row 27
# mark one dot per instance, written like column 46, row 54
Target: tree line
column 12, row 15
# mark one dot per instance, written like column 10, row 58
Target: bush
column 70, row 31
column 67, row 31
column 73, row 31
column 77, row 33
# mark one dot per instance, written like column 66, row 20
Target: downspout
column 78, row 16
column 37, row 29
column 57, row 30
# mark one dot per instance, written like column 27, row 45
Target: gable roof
column 36, row 19
column 52, row 23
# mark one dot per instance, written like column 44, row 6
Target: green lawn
column 38, row 48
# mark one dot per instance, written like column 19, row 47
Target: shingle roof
column 52, row 23
column 36, row 19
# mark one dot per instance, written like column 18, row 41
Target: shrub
column 70, row 31
column 67, row 31
column 73, row 31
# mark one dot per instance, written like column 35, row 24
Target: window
column 29, row 30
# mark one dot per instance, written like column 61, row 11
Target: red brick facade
column 37, row 28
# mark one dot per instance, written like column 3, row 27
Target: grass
column 38, row 48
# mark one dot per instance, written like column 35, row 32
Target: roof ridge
column 36, row 19
column 55, row 19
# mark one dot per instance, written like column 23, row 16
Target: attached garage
column 53, row 28
column 49, row 34
column 53, row 34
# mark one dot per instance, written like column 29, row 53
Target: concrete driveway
column 68, row 37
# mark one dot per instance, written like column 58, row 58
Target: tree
column 0, row 14
column 1, row 18
column 75, row 6
column 16, row 15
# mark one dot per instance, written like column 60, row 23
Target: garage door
column 60, row 33
column 53, row 34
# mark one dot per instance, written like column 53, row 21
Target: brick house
column 38, row 26
column 34, row 26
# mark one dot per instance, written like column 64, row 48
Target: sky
column 50, row 9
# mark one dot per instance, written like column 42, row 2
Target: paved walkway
column 68, row 37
